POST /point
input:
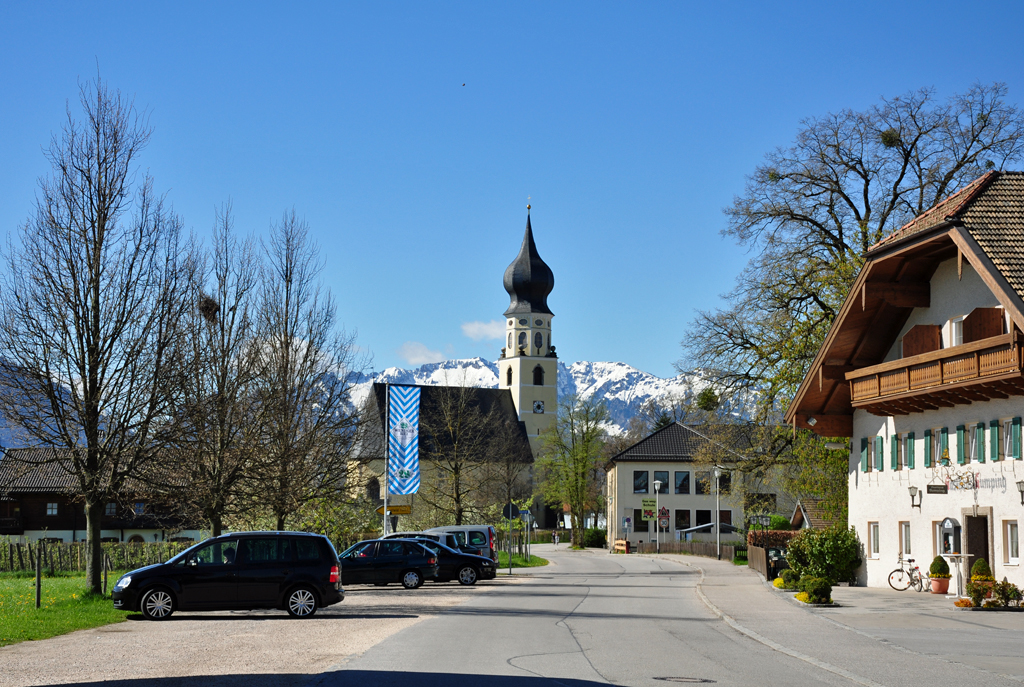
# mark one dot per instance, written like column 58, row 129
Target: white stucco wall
column 883, row 496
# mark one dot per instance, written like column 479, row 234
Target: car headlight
column 123, row 582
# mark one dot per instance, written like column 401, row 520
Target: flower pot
column 940, row 585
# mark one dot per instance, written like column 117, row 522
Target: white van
column 482, row 537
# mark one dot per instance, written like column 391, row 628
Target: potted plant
column 938, row 572
column 981, row 576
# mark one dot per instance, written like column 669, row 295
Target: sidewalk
column 876, row 636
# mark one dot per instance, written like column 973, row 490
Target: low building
column 686, row 495
column 39, row 500
column 808, row 514
column 924, row 369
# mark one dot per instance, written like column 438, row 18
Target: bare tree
column 309, row 427
column 92, row 305
column 217, row 448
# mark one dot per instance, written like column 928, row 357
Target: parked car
column 294, row 571
column 446, row 538
column 456, row 565
column 381, row 561
column 477, row 536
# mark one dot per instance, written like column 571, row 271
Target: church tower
column 528, row 365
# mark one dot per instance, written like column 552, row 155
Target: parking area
column 230, row 643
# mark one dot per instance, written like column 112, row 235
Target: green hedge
column 595, row 538
column 832, row 554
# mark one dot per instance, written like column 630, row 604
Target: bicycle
column 903, row 578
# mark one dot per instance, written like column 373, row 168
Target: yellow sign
column 648, row 506
column 396, row 510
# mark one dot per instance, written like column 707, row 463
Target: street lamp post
column 657, row 513
column 718, row 511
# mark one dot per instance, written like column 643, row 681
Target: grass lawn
column 66, row 607
column 520, row 561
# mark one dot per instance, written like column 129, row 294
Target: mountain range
column 623, row 388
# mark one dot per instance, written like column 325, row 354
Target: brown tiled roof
column 35, row 470
column 811, row 508
column 991, row 208
column 940, row 212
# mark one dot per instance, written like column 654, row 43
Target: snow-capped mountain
column 623, row 388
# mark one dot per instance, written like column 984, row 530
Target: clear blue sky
column 628, row 125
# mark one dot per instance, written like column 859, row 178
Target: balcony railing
column 990, row 368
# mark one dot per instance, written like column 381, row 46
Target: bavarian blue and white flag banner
column 404, row 440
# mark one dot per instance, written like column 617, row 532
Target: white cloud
column 415, row 353
column 479, row 331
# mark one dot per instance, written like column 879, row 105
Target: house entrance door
column 977, row 540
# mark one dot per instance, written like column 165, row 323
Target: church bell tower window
column 508, row 375
column 522, row 338
column 538, row 341
column 538, row 376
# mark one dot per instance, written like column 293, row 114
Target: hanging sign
column 938, row 489
column 403, row 440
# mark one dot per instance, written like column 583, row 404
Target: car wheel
column 468, row 575
column 412, row 579
column 157, row 604
column 301, row 603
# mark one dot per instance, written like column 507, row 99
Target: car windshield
column 180, row 558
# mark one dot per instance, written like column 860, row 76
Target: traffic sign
column 663, row 523
column 663, row 512
column 648, row 506
column 396, row 510
column 510, row 511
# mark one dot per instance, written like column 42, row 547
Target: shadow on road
column 353, row 678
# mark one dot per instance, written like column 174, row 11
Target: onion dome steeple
column 528, row 279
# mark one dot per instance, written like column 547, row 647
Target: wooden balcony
column 977, row 371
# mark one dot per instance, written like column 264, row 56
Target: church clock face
column 538, row 406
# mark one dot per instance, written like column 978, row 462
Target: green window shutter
column 910, row 451
column 943, row 445
column 928, row 448
column 1015, row 437
column 993, row 440
column 864, row 454
column 894, row 449
column 961, row 454
column 979, row 448
column 879, row 454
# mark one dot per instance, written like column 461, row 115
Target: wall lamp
column 1020, row 488
column 915, row 493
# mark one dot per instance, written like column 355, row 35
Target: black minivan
column 295, row 571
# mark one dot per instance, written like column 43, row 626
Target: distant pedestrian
column 556, row 538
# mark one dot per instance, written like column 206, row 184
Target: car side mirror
column 192, row 562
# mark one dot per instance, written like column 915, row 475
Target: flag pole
column 387, row 450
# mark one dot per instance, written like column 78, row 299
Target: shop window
column 905, row 538
column 661, row 476
column 640, row 481
column 682, row 483
column 51, row 509
column 873, row 548
column 1011, row 547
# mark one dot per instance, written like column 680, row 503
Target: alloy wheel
column 301, row 603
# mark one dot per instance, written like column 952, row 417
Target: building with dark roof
column 679, row 457
column 923, row 368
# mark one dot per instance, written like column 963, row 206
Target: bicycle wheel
column 918, row 583
column 899, row 579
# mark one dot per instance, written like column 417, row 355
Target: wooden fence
column 697, row 548
column 757, row 558
column 71, row 557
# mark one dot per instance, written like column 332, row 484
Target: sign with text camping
column 649, row 507
column 403, row 440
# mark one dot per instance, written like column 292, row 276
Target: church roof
column 528, row 279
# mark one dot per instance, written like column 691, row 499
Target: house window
column 978, row 442
column 897, row 453
column 682, row 519
column 639, row 481
column 937, row 447
column 871, row 454
column 1011, row 548
column 956, row 332
column 703, row 485
column 662, row 476
column 908, row 449
column 640, row 525
column 1006, row 439
column 873, row 539
column 905, row 538
column 725, row 482
column 110, row 510
column 139, row 508
column 682, row 483
column 703, row 517
column 51, row 509
column 725, row 517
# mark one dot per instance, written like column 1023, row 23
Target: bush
column 789, row 578
column 818, row 590
column 769, row 538
column 980, row 572
column 939, row 568
column 595, row 539
column 978, row 591
column 1006, row 594
column 780, row 523
column 778, row 583
column 831, row 554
